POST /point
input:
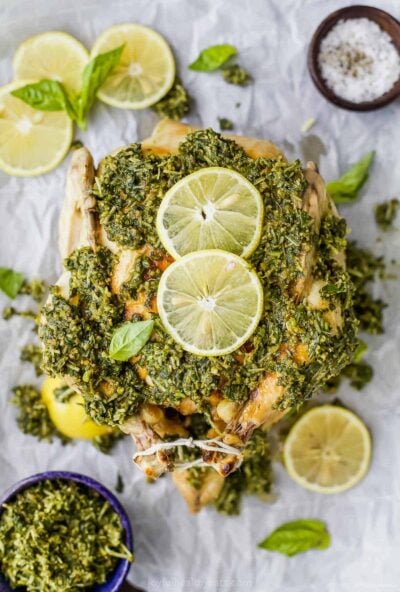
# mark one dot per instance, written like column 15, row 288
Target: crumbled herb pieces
column 59, row 536
column 235, row 74
column 33, row 353
column 175, row 104
column 297, row 537
column 254, row 477
column 33, row 417
column 386, row 212
column 363, row 268
column 225, row 124
column 106, row 442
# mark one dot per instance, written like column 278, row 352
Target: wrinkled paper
column 177, row 552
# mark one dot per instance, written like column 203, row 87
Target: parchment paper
column 176, row 552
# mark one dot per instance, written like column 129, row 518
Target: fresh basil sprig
column 297, row 537
column 51, row 95
column 129, row 339
column 10, row 281
column 345, row 189
column 213, row 57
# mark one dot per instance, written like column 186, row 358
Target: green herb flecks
column 33, row 417
column 225, row 124
column 106, row 442
column 346, row 188
column 213, row 57
column 51, row 95
column 176, row 103
column 34, row 354
column 386, row 212
column 235, row 74
column 297, row 537
column 59, row 536
column 253, row 478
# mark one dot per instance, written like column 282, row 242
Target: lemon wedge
column 54, row 56
column 328, row 450
column 213, row 208
column 210, row 302
column 146, row 70
column 31, row 142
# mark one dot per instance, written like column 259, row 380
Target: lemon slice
column 213, row 208
column 146, row 70
column 53, row 55
column 31, row 142
column 328, row 450
column 210, row 302
column 70, row 418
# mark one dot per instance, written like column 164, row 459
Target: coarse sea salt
column 358, row 60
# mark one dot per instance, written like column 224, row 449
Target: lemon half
column 146, row 70
column 213, row 208
column 328, row 450
column 31, row 142
column 210, row 302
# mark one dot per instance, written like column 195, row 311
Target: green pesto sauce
column 59, row 536
column 175, row 104
column 77, row 332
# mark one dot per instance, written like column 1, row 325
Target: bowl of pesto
column 63, row 531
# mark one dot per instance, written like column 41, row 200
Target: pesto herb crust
column 59, row 536
column 130, row 185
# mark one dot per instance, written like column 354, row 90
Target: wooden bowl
column 386, row 22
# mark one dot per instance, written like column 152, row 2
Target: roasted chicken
column 307, row 336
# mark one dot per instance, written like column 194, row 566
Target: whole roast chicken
column 190, row 413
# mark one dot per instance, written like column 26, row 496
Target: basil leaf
column 346, row 188
column 46, row 95
column 94, row 75
column 297, row 537
column 213, row 58
column 129, row 339
column 10, row 281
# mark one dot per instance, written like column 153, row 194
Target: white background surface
column 176, row 552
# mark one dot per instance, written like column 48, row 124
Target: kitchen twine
column 211, row 445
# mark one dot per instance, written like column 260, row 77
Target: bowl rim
column 350, row 12
column 123, row 565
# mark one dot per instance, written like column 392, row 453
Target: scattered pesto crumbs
column 364, row 268
column 254, row 477
column 129, row 189
column 235, row 74
column 386, row 212
column 33, row 417
column 175, row 104
column 33, row 354
column 225, row 124
column 59, row 536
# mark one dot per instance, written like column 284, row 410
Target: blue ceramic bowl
column 116, row 579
